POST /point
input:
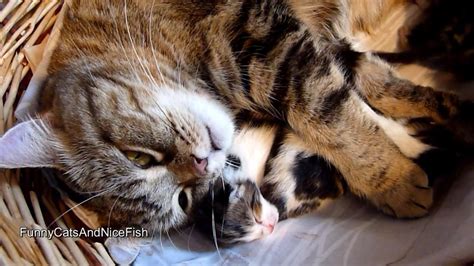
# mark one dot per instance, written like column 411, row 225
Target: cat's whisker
column 231, row 164
column 88, row 68
column 153, row 51
column 99, row 191
column 179, row 231
column 153, row 233
column 79, row 204
column 110, row 212
column 125, row 53
column 189, row 237
column 145, row 69
column 161, row 242
column 167, row 120
column 221, row 176
column 154, row 227
column 171, row 241
column 214, row 234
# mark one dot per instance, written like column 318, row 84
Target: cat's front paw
column 462, row 124
column 409, row 196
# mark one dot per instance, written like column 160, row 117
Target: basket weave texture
column 27, row 29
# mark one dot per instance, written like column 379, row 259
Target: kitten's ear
column 28, row 144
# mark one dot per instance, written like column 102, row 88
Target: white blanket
column 344, row 232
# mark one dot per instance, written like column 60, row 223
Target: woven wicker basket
column 28, row 30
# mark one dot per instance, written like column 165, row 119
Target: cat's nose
column 200, row 165
column 270, row 227
column 270, row 220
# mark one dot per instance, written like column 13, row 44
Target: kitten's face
column 236, row 213
column 135, row 142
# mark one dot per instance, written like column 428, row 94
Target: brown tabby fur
column 285, row 62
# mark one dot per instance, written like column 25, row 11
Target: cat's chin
column 220, row 128
column 216, row 163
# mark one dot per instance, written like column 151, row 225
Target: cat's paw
column 409, row 196
column 462, row 124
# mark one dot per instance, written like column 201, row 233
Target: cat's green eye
column 141, row 159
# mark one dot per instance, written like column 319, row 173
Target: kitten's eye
column 257, row 211
column 141, row 159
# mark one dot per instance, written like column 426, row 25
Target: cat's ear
column 28, row 144
column 124, row 251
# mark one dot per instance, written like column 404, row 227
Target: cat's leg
column 401, row 99
column 296, row 180
column 372, row 165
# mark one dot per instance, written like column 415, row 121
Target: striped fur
column 174, row 76
column 270, row 162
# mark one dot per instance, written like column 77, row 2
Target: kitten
column 142, row 97
column 234, row 209
column 234, row 212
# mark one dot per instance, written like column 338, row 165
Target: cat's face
column 235, row 213
column 126, row 122
column 142, row 142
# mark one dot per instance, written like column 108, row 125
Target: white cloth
column 344, row 232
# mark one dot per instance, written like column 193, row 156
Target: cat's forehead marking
column 116, row 108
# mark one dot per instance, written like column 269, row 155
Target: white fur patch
column 269, row 212
column 252, row 146
column 408, row 145
column 209, row 111
column 197, row 110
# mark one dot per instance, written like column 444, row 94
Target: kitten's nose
column 200, row 165
column 270, row 227
column 270, row 219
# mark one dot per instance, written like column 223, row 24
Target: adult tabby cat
column 142, row 99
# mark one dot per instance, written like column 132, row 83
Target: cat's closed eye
column 142, row 160
column 257, row 208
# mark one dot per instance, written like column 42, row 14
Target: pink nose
column 200, row 165
column 270, row 227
